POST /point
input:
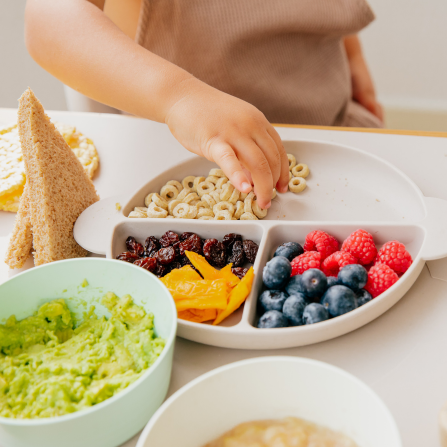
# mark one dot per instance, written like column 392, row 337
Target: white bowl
column 271, row 388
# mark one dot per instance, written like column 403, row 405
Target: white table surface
column 402, row 355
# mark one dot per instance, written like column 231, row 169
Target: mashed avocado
column 50, row 366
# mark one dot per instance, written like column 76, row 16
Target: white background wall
column 406, row 48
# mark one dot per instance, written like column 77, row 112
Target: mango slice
column 198, row 315
column 238, row 295
column 186, row 273
column 209, row 272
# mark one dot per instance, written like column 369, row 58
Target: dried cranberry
column 149, row 264
column 184, row 260
column 134, row 246
column 251, row 250
column 161, row 270
column 175, row 265
column 186, row 235
column 128, row 257
column 151, row 244
column 237, row 255
column 169, row 238
column 166, row 255
column 215, row 252
column 240, row 272
column 230, row 239
column 193, row 243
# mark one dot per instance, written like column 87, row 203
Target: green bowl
column 117, row 419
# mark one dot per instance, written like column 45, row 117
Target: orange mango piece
column 209, row 272
column 203, row 294
column 238, row 295
column 198, row 315
column 186, row 273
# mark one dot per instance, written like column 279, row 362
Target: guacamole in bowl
column 51, row 366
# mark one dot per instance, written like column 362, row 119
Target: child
column 216, row 71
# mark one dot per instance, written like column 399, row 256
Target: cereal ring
column 169, row 192
column 297, row 184
column 223, row 215
column 175, row 183
column 234, row 196
column 195, row 202
column 159, row 201
column 290, row 176
column 197, row 180
column 258, row 211
column 274, row 193
column 292, row 161
column 170, row 217
column 248, row 202
column 215, row 195
column 172, row 204
column 227, row 190
column 221, row 182
column 217, row 173
column 223, row 206
column 208, row 200
column 137, row 214
column 141, row 209
column 205, row 188
column 205, row 212
column 212, row 178
column 248, row 216
column 191, row 197
column 188, row 182
column 239, row 209
column 301, row 170
column 200, row 204
column 206, row 218
column 184, row 193
column 243, row 195
column 156, row 212
column 148, row 199
column 185, row 211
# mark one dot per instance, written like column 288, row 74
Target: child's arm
column 77, row 43
column 362, row 84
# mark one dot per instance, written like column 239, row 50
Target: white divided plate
column 347, row 189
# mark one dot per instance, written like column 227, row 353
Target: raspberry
column 395, row 255
column 333, row 263
column 308, row 260
column 380, row 278
column 361, row 245
column 322, row 242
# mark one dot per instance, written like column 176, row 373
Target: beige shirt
column 286, row 57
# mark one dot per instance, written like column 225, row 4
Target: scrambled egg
column 12, row 169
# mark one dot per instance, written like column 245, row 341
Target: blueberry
column 276, row 273
column 363, row 297
column 314, row 283
column 314, row 313
column 331, row 281
column 294, row 285
column 272, row 319
column 339, row 300
column 353, row 276
column 293, row 309
column 289, row 250
column 272, row 300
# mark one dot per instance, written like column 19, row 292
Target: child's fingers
column 254, row 160
column 271, row 152
column 225, row 157
column 283, row 182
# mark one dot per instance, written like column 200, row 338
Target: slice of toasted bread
column 58, row 189
column 21, row 241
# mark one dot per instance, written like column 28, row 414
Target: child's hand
column 233, row 134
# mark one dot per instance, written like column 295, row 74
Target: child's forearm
column 77, row 43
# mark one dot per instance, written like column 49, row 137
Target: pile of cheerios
column 211, row 198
